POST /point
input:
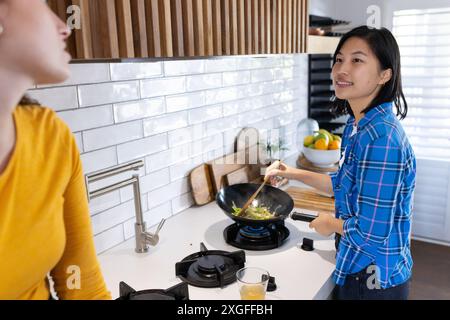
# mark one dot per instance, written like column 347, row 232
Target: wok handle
column 299, row 216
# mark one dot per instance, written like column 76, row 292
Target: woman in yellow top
column 45, row 226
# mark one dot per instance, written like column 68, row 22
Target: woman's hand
column 278, row 169
column 326, row 224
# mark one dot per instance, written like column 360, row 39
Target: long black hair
column 385, row 47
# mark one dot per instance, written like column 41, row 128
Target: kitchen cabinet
column 123, row 29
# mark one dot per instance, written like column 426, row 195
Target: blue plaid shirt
column 373, row 195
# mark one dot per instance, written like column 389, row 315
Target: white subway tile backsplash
column 140, row 148
column 204, row 82
column 112, row 217
column 58, row 99
column 235, row 107
column 220, row 125
column 185, row 135
column 205, row 145
column 99, row 160
column 106, row 93
column 155, row 180
column 162, row 87
column 131, row 71
column 104, row 202
column 200, row 115
column 217, row 96
column 181, row 203
column 182, row 67
column 221, row 65
column 113, row 135
column 109, row 239
column 135, row 110
column 236, row 78
column 183, row 169
column 262, row 75
column 165, row 123
column 185, row 101
column 167, row 193
column 88, row 118
column 167, row 158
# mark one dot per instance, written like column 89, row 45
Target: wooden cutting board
column 309, row 200
column 202, row 188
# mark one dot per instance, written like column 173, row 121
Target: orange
column 335, row 145
column 321, row 144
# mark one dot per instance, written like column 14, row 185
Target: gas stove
column 179, row 292
column 260, row 238
column 210, row 268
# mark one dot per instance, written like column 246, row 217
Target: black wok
column 275, row 200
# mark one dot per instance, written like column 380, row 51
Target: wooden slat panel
column 289, row 26
column 262, row 26
column 199, row 33
column 294, row 25
column 305, row 33
column 188, row 24
column 274, row 25
column 241, row 26
column 208, row 27
column 280, row 27
column 255, row 24
column 107, row 29
column 153, row 31
column 226, row 36
column 234, row 27
column 268, row 28
column 165, row 26
column 217, row 27
column 125, row 29
column 248, row 27
column 285, row 20
column 300, row 26
column 139, row 28
column 176, row 9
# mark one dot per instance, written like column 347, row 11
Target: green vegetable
column 254, row 213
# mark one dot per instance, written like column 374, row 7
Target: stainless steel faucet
column 144, row 239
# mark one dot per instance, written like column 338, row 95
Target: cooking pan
column 275, row 200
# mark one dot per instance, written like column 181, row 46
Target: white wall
column 175, row 115
column 356, row 10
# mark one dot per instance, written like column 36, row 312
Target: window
column 424, row 40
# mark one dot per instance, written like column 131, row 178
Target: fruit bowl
column 322, row 158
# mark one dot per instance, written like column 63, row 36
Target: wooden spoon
column 252, row 198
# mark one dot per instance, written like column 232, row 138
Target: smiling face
column 357, row 75
column 33, row 41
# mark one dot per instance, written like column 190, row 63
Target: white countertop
column 300, row 275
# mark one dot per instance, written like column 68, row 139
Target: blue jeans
column 356, row 288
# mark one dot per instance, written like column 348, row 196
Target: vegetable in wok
column 254, row 212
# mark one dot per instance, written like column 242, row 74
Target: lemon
column 309, row 140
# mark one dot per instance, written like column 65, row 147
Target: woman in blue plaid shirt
column 374, row 186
